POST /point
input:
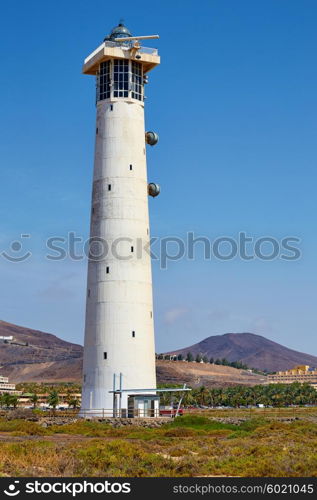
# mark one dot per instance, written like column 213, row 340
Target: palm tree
column 53, row 399
column 34, row 399
column 188, row 398
column 203, row 394
column 165, row 398
column 74, row 403
column 69, row 397
column 6, row 398
column 14, row 400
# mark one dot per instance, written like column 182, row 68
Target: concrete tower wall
column 119, row 302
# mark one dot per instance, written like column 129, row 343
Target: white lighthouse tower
column 119, row 353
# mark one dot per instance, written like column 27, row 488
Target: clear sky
column 234, row 102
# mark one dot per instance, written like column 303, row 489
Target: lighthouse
column 119, row 354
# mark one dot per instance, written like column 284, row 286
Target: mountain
column 37, row 356
column 253, row 350
column 42, row 357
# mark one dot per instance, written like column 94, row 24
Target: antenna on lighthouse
column 128, row 38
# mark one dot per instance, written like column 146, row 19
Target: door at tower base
column 143, row 405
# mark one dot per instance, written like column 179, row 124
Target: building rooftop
column 126, row 49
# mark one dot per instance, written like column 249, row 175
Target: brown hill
column 46, row 358
column 38, row 356
column 253, row 350
column 196, row 374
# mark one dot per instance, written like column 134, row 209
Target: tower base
column 135, row 405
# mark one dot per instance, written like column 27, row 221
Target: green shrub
column 181, row 432
column 252, row 424
column 202, row 423
column 38, row 412
column 84, row 428
column 24, row 426
column 121, row 458
column 238, row 434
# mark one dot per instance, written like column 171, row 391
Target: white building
column 6, row 339
column 5, row 386
column 119, row 334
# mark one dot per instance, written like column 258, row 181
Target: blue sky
column 234, row 102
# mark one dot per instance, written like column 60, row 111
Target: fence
column 280, row 412
column 95, row 413
column 118, row 413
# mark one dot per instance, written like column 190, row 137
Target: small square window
column 133, row 334
column 105, row 355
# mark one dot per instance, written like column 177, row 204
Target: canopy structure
column 145, row 392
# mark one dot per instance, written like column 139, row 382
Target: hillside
column 253, row 350
column 46, row 357
column 197, row 374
